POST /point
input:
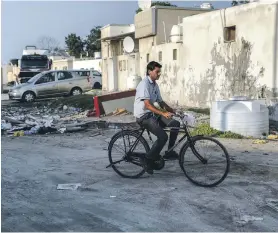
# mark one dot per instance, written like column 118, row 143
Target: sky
column 24, row 22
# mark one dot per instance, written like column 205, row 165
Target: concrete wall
column 114, row 62
column 64, row 64
column 105, row 74
column 145, row 23
column 5, row 69
column 151, row 22
column 170, row 17
column 88, row 64
column 214, row 69
column 112, row 30
column 11, row 71
column 209, row 68
column 172, row 70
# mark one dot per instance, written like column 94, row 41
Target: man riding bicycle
column 153, row 119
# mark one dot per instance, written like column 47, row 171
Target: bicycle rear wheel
column 205, row 167
column 128, row 165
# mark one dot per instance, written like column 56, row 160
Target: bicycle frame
column 187, row 136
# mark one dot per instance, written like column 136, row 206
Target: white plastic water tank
column 245, row 117
column 176, row 33
column 97, row 55
column 133, row 81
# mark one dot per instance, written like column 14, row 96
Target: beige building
column 62, row 64
column 217, row 55
column 150, row 30
column 87, row 63
column 226, row 53
column 115, row 63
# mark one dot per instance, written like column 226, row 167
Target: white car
column 96, row 77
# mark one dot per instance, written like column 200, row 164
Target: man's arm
column 162, row 103
column 150, row 107
column 167, row 108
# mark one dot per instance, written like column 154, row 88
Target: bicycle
column 137, row 158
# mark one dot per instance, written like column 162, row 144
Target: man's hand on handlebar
column 168, row 115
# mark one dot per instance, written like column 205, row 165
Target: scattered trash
column 112, row 196
column 118, row 111
column 91, row 113
column 68, row 186
column 44, row 130
column 247, row 218
column 272, row 137
column 232, row 158
column 260, row 141
column 6, row 126
column 272, row 203
column 62, row 130
column 42, row 120
column 95, row 134
column 18, row 133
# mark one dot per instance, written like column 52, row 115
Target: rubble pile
column 20, row 121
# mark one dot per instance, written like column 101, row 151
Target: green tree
column 235, row 3
column 74, row 44
column 92, row 42
column 158, row 3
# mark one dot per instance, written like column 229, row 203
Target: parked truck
column 32, row 62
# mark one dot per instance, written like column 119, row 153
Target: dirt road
column 32, row 167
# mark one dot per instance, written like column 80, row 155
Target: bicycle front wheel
column 126, row 151
column 205, row 162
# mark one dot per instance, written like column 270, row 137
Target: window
column 83, row 73
column 96, row 73
column 47, row 78
column 148, row 57
column 34, row 61
column 160, row 56
column 65, row 68
column 120, row 65
column 124, row 65
column 230, row 34
column 55, row 68
column 64, row 75
column 175, row 54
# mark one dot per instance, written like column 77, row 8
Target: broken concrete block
column 6, row 126
column 68, row 186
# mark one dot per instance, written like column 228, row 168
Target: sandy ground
column 33, row 166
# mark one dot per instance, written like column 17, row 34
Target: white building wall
column 88, row 64
column 214, row 69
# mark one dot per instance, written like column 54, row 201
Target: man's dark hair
column 151, row 66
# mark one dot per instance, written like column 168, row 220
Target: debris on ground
column 42, row 119
column 118, row 111
column 272, row 203
column 260, row 141
column 272, row 137
column 247, row 218
column 68, row 186
column 95, row 134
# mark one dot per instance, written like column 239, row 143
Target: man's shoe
column 148, row 165
column 172, row 155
